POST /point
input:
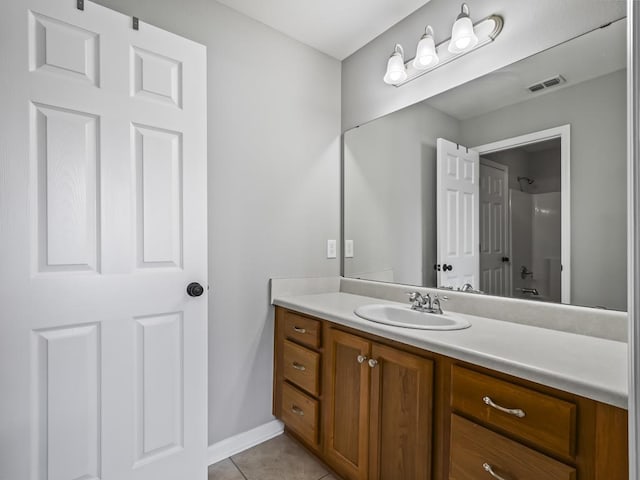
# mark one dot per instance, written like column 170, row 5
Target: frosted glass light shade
column 462, row 35
column 396, row 71
column 426, row 55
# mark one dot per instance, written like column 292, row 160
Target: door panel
column 494, row 246
column 67, row 402
column 158, row 156
column 65, row 146
column 347, row 407
column 102, row 354
column 458, row 224
column 401, row 415
column 159, row 379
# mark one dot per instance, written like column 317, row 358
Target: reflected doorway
column 524, row 216
column 520, row 222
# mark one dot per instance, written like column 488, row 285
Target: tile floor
column 280, row 458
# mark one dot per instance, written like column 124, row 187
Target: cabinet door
column 347, row 404
column 401, row 415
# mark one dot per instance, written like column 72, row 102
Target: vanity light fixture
column 462, row 35
column 396, row 71
column 465, row 37
column 426, row 55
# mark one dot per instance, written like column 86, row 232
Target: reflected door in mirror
column 457, row 207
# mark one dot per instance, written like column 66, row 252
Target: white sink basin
column 401, row 316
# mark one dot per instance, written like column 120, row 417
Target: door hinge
column 136, row 23
column 80, row 4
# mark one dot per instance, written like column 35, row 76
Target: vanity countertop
column 591, row 367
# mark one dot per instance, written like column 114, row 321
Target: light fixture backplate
column 487, row 30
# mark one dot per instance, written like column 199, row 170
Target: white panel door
column 495, row 271
column 102, row 226
column 458, row 226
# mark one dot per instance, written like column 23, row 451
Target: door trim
column 562, row 132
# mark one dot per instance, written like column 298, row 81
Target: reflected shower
column 527, row 179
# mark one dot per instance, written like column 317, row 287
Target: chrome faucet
column 467, row 287
column 419, row 301
column 425, row 303
column 435, row 306
column 529, row 291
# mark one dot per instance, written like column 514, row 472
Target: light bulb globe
column 396, row 71
column 463, row 37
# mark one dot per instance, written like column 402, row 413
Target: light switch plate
column 348, row 249
column 331, row 249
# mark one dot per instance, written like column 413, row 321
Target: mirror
column 513, row 184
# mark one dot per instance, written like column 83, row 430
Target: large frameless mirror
column 513, row 184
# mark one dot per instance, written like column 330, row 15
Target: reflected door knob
column 194, row 289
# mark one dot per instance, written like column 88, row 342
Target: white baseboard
column 243, row 441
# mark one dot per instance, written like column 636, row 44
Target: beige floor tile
column 330, row 477
column 279, row 459
column 224, row 470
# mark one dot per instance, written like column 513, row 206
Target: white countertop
column 588, row 366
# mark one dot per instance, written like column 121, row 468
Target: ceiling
column 335, row 27
column 589, row 56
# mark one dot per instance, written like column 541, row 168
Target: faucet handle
column 418, row 300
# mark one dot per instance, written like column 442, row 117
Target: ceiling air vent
column 548, row 83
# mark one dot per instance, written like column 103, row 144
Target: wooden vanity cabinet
column 376, row 409
column 297, row 388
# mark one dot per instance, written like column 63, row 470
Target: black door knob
column 505, row 259
column 194, row 289
column 447, row 268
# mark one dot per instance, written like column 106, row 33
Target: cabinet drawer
column 544, row 421
column 475, row 450
column 302, row 329
column 300, row 413
column 301, row 366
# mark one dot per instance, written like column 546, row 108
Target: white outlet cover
column 331, row 249
column 348, row 249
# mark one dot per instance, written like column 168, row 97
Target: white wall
column 390, row 202
column 596, row 111
column 530, row 27
column 274, row 189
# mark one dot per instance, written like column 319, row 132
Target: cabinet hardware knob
column 299, row 330
column 511, row 411
column 373, row 362
column 297, row 410
column 489, row 469
column 362, row 359
column 298, row 366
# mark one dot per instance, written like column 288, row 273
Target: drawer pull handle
column 299, row 330
column 362, row 359
column 489, row 469
column 297, row 410
column 373, row 362
column 297, row 366
column 511, row 411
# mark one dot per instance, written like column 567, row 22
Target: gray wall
column 274, row 189
column 542, row 166
column 390, row 202
column 596, row 111
column 530, row 26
